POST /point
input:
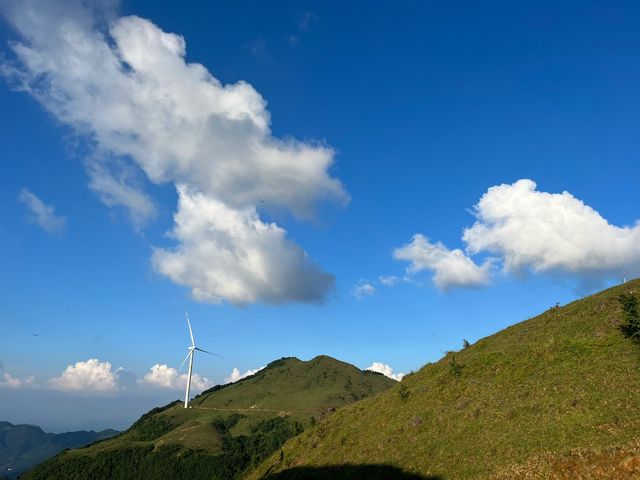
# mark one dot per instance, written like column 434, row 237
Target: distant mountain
column 553, row 397
column 23, row 446
column 228, row 428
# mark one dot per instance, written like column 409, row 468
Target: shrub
column 631, row 327
column 403, row 392
column 465, row 343
column 455, row 367
column 223, row 425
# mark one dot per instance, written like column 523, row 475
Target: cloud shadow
column 348, row 472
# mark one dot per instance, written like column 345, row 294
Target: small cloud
column 386, row 370
column 41, row 214
column 306, row 20
column 388, row 280
column 236, row 375
column 294, row 40
column 363, row 289
column 451, row 268
column 90, row 376
column 164, row 376
column 120, row 188
column 258, row 48
column 9, row 381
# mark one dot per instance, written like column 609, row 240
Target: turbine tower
column 192, row 350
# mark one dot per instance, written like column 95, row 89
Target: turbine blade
column 182, row 364
column 210, row 353
column 193, row 342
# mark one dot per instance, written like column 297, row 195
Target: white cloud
column 388, row 280
column 524, row 230
column 253, row 260
column 40, row 213
column 236, row 375
column 121, row 189
column 94, row 376
column 363, row 289
column 163, row 376
column 90, row 376
column 451, row 268
column 385, row 369
column 9, row 381
column 550, row 232
column 130, row 92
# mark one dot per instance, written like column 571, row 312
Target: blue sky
column 416, row 108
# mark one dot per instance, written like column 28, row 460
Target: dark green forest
column 173, row 461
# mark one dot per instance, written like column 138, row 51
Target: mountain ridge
column 25, row 445
column 567, row 380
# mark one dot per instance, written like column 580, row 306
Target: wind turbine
column 192, row 350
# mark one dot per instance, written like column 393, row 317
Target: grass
column 620, row 463
column 567, row 379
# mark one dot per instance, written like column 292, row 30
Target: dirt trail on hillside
column 257, row 409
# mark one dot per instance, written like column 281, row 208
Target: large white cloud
column 40, row 213
column 90, row 376
column 253, row 260
column 451, row 268
column 237, row 375
column 522, row 229
column 385, row 369
column 550, row 232
column 164, row 376
column 129, row 90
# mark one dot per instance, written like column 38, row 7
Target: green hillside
column 556, row 396
column 23, row 446
column 295, row 386
column 228, row 428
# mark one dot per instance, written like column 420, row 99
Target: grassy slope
column 292, row 385
column 287, row 387
column 567, row 379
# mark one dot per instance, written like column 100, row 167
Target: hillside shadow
column 347, row 472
